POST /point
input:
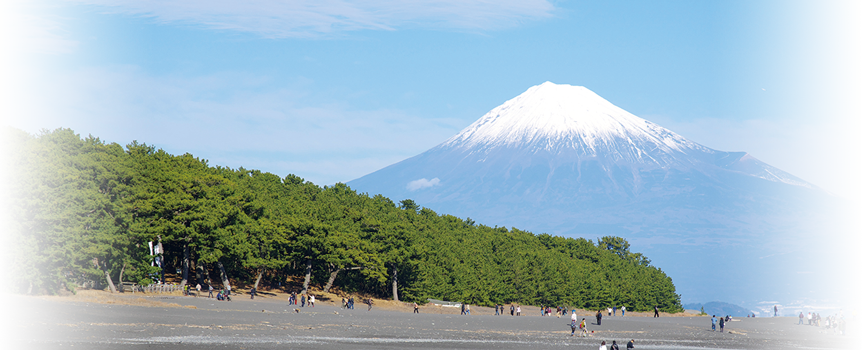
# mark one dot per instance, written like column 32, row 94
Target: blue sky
column 333, row 90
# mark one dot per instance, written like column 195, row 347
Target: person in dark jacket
column 631, row 344
column 599, row 318
column 656, row 311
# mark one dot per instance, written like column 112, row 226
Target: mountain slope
column 560, row 159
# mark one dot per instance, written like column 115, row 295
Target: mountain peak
column 563, row 118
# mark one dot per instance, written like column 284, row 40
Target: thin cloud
column 29, row 33
column 311, row 18
column 422, row 183
column 232, row 119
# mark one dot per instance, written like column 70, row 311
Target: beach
column 99, row 320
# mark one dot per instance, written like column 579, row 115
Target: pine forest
column 85, row 213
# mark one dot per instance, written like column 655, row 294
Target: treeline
column 84, row 211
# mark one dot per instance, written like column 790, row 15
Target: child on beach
column 583, row 328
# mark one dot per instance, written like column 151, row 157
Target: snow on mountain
column 574, row 122
column 553, row 117
column 560, row 159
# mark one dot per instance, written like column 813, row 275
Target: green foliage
column 82, row 199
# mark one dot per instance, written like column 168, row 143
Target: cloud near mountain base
column 422, row 183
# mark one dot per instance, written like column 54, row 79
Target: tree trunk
column 395, row 284
column 225, row 283
column 161, row 259
column 199, row 272
column 186, row 254
column 331, row 280
column 258, row 280
column 107, row 275
column 121, row 278
column 207, row 274
column 333, row 276
column 308, row 275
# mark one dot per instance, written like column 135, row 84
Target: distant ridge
column 719, row 308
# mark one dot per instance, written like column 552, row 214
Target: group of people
column 574, row 324
column 612, row 311
column 546, row 311
column 613, row 346
column 465, row 309
column 348, row 303
column 513, row 310
column 292, row 299
column 835, row 322
column 222, row 295
column 722, row 321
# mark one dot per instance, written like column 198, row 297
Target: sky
column 331, row 90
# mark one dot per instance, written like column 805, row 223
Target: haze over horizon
column 335, row 90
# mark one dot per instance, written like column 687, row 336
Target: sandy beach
column 99, row 320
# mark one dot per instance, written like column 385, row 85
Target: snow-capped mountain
column 560, row 159
column 565, row 118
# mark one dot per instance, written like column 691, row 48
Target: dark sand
column 121, row 322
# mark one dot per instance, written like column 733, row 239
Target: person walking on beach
column 623, row 311
column 801, row 318
column 511, row 310
column 462, row 308
column 573, row 322
column 602, row 346
column 211, row 291
column 631, row 344
column 775, row 310
column 615, row 310
column 495, row 310
column 370, row 302
column 599, row 318
column 614, row 345
column 252, row 292
column 656, row 311
column 303, row 300
column 312, row 300
column 198, row 288
column 713, row 322
column 416, row 308
column 721, row 324
column 518, row 311
column 583, row 327
column 467, row 309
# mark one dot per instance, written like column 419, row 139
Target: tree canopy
column 86, row 212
